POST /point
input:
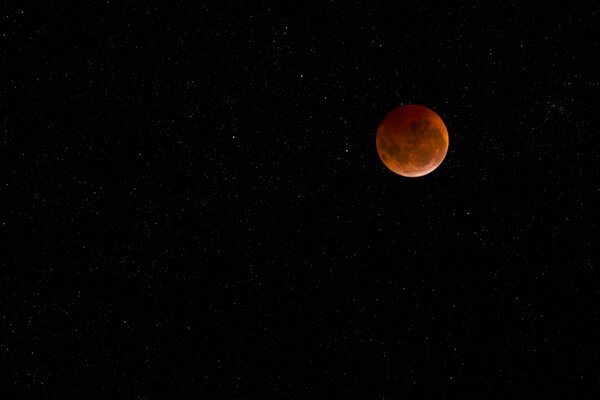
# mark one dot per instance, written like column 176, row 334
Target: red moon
column 412, row 140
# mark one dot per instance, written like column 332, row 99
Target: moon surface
column 412, row 140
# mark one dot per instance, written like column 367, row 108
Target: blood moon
column 412, row 140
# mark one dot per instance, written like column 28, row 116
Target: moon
column 412, row 140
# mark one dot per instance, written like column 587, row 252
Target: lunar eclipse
column 412, row 140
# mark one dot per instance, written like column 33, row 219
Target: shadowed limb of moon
column 412, row 140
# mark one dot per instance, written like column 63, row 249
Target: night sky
column 193, row 205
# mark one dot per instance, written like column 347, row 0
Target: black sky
column 193, row 205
